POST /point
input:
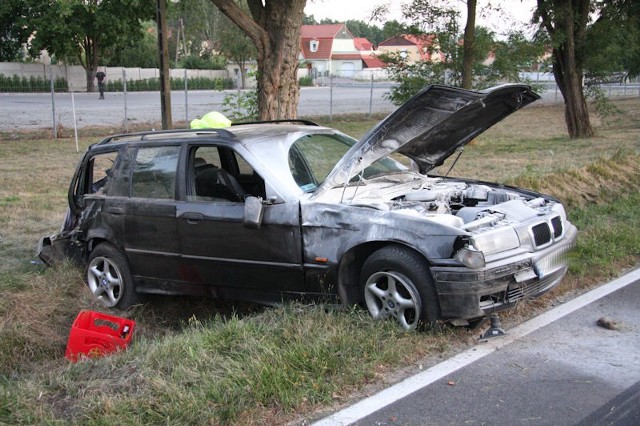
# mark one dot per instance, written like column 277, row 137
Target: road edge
column 411, row 384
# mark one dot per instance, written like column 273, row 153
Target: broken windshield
column 312, row 157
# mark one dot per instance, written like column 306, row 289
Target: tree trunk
column 278, row 91
column 275, row 31
column 91, row 75
column 243, row 74
column 569, row 81
column 468, row 47
column 90, row 62
column 566, row 23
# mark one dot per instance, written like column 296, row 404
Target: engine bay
column 470, row 206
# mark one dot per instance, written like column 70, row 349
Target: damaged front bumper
column 472, row 293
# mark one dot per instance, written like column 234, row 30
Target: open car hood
column 429, row 127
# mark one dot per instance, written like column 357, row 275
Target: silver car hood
column 429, row 127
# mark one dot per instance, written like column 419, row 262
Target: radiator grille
column 541, row 234
column 556, row 223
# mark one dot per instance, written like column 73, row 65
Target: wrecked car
column 274, row 211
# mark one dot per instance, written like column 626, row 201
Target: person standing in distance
column 101, row 76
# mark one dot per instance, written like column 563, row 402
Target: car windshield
column 312, row 157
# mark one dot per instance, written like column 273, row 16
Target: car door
column 219, row 250
column 150, row 229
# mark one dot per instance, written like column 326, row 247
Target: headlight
column 495, row 240
column 470, row 258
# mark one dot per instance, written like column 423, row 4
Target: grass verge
column 201, row 361
column 260, row 369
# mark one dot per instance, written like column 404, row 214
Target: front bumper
column 465, row 293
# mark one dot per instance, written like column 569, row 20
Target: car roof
column 267, row 144
column 255, row 132
column 262, row 139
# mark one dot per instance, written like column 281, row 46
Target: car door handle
column 192, row 217
column 115, row 210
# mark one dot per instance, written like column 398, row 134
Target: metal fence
column 121, row 110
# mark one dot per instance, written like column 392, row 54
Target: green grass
column 205, row 361
column 609, row 235
column 229, row 371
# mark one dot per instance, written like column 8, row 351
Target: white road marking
column 406, row 387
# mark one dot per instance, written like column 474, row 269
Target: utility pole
column 163, row 52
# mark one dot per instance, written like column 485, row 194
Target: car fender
column 331, row 230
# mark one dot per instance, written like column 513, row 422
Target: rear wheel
column 396, row 283
column 109, row 278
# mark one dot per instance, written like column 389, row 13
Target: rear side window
column 154, row 172
column 99, row 172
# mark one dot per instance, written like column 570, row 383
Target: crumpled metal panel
column 330, row 230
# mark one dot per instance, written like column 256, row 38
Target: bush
column 60, row 84
column 202, row 83
column 241, row 106
column 31, row 84
column 115, row 86
column 153, row 84
column 305, row 81
column 195, row 62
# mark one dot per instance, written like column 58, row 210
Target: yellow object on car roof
column 211, row 120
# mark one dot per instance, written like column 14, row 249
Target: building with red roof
column 330, row 49
column 414, row 48
column 362, row 44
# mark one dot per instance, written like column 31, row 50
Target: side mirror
column 253, row 211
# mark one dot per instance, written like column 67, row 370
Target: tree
column 441, row 18
column 464, row 57
column 13, row 29
column 509, row 58
column 515, row 54
column 143, row 53
column 614, row 42
column 309, row 20
column 589, row 38
column 84, row 29
column 201, row 21
column 468, row 45
column 359, row 28
column 565, row 22
column 394, row 28
column 274, row 28
column 235, row 46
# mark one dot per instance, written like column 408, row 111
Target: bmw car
column 289, row 210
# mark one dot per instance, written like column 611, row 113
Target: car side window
column 100, row 172
column 154, row 172
column 220, row 174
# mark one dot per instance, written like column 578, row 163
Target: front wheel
column 109, row 278
column 396, row 283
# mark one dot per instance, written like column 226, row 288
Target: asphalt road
column 19, row 111
column 23, row 111
column 548, row 371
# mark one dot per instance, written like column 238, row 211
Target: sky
column 519, row 11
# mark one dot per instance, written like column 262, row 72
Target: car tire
column 109, row 278
column 396, row 283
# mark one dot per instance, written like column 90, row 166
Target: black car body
column 268, row 212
